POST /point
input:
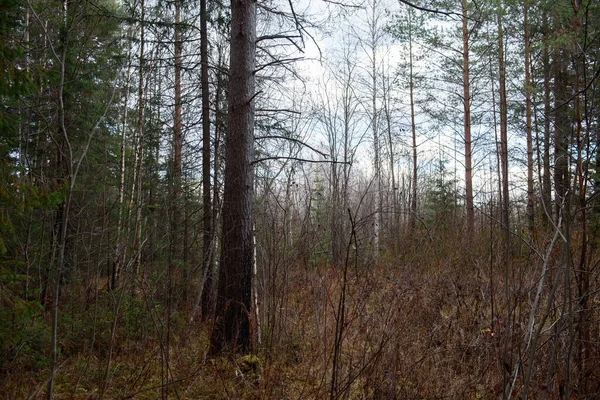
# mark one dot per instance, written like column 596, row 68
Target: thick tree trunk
column 232, row 317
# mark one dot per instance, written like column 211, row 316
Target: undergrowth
column 415, row 326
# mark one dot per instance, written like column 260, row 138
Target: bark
column 232, row 317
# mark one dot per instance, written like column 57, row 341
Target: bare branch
column 299, row 159
column 430, row 10
column 282, row 110
column 339, row 3
column 293, row 140
column 278, row 62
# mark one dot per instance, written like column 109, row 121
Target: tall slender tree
column 207, row 236
column 467, row 120
column 528, row 116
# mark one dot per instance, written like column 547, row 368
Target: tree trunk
column 546, row 179
column 413, row 124
column 562, row 129
column 507, row 356
column 62, row 219
column 139, row 152
column 395, row 225
column 528, row 107
column 232, row 317
column 176, row 203
column 121, row 246
column 467, row 124
column 375, row 130
column 207, row 240
column 208, row 291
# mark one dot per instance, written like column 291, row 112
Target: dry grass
column 415, row 327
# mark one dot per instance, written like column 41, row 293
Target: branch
column 299, row 27
column 278, row 62
column 278, row 110
column 582, row 91
column 299, row 159
column 430, row 10
column 339, row 3
column 289, row 38
column 293, row 140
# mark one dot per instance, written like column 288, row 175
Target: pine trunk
column 232, row 317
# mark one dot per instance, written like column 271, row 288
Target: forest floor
column 410, row 328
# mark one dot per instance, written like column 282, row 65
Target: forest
column 311, row 199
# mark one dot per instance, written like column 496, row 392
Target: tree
column 207, row 240
column 178, row 210
column 408, row 29
column 467, row 122
column 338, row 118
column 77, row 118
column 232, row 317
column 507, row 358
column 528, row 116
